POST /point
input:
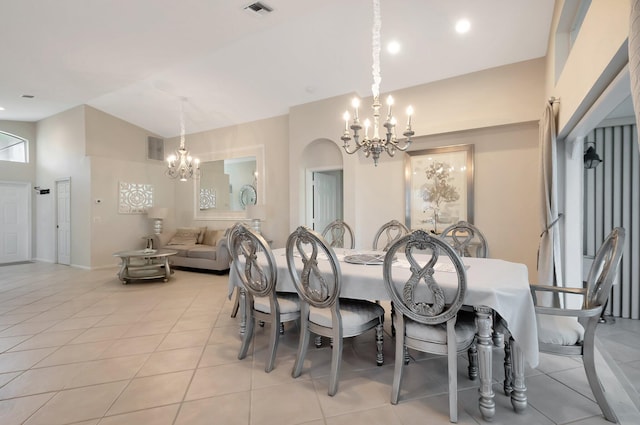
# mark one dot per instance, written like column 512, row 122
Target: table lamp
column 157, row 214
column 256, row 213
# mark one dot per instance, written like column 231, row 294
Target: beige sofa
column 198, row 248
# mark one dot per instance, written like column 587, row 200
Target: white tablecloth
column 500, row 285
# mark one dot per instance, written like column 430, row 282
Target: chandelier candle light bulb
column 389, row 142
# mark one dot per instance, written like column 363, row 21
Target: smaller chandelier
column 181, row 165
column 375, row 145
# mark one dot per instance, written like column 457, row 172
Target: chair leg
column 588, row 359
column 236, row 303
column 379, row 344
column 273, row 343
column 472, row 353
column 246, row 337
column 244, row 310
column 393, row 315
column 508, row 370
column 399, row 365
column 498, row 339
column 281, row 328
column 302, row 349
column 452, row 360
column 336, row 362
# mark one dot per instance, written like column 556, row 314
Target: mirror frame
column 258, row 152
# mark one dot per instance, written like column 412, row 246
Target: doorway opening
column 324, row 197
column 15, row 222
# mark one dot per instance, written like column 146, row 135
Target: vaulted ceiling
column 135, row 59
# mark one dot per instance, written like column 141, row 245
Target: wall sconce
column 591, row 158
column 157, row 214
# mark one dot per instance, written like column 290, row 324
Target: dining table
column 493, row 285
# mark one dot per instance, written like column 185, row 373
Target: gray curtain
column 634, row 57
column 549, row 265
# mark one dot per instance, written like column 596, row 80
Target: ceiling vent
column 258, row 9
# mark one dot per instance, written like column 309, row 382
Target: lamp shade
column 257, row 212
column 157, row 212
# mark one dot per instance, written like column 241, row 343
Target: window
column 12, row 148
column 569, row 25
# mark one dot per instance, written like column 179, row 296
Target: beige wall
column 61, row 154
column 272, row 136
column 599, row 52
column 96, row 151
column 118, row 153
column 486, row 108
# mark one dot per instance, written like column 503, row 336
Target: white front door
column 63, row 224
column 15, row 222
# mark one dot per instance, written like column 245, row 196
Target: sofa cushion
column 212, row 237
column 185, row 236
column 202, row 251
column 182, row 249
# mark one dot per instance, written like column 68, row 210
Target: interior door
column 63, row 224
column 15, row 221
column 327, row 198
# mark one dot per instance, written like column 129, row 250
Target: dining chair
column 335, row 232
column 236, row 298
column 466, row 239
column 392, row 231
column 316, row 275
column 426, row 319
column 259, row 280
column 572, row 332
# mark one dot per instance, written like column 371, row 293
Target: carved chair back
column 335, row 232
column 319, row 288
column 259, row 279
column 466, row 239
column 393, row 230
column 421, row 298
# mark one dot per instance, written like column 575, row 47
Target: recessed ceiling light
column 463, row 26
column 393, row 47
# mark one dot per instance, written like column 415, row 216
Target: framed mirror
column 228, row 183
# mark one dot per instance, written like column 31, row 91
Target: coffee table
column 145, row 264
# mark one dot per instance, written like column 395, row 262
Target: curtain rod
column 554, row 99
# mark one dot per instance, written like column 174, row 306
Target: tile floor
column 78, row 347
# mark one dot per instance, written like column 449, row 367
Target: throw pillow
column 212, row 237
column 185, row 236
column 203, row 230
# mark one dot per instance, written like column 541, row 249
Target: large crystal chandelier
column 375, row 145
column 181, row 165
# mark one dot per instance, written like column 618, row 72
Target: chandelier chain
column 378, row 143
column 375, row 44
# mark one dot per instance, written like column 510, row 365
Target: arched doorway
column 324, row 201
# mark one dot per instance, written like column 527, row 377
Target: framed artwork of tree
column 438, row 187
